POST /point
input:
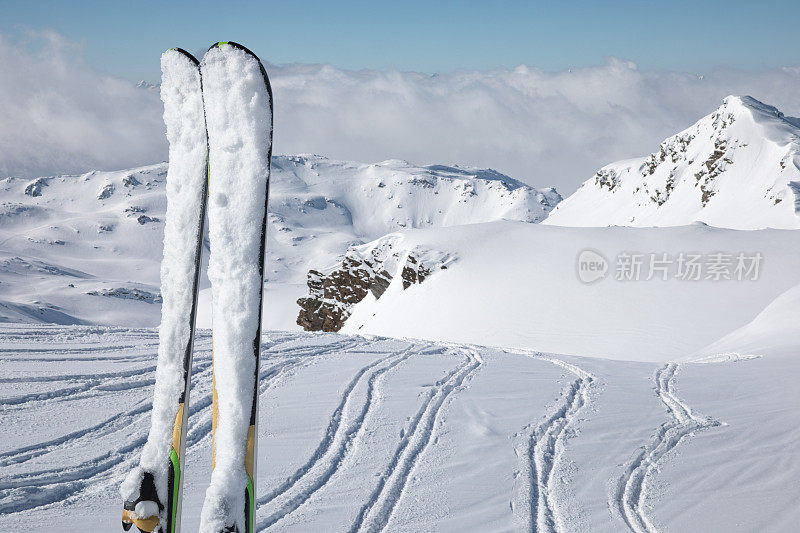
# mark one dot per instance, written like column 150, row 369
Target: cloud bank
column 549, row 129
column 59, row 115
column 543, row 128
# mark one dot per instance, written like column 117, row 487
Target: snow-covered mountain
column 518, row 285
column 738, row 167
column 350, row 243
column 87, row 249
column 147, row 86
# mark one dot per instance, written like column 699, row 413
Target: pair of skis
column 218, row 115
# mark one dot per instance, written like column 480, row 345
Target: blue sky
column 633, row 78
column 126, row 38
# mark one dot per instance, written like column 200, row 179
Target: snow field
column 367, row 433
column 516, row 285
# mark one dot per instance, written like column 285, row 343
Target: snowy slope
column 517, row 285
column 367, row 434
column 510, row 284
column 738, row 167
column 102, row 232
column 773, row 331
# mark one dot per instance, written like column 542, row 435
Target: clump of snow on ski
column 181, row 93
column 239, row 116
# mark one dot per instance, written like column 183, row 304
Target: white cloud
column 544, row 128
column 58, row 115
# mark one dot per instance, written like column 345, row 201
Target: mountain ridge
column 738, row 167
column 108, row 226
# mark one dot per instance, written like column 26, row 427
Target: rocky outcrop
column 365, row 269
column 34, row 188
column 128, row 293
column 106, row 192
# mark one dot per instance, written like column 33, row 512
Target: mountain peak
column 734, row 103
column 737, row 167
column 757, row 110
column 148, row 86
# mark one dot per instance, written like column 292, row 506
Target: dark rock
column 35, row 188
column 331, row 296
column 128, row 293
column 130, row 181
column 106, row 192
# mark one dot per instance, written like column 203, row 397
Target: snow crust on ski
column 238, row 104
column 186, row 186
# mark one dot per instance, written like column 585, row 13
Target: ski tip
column 186, row 54
column 249, row 52
column 235, row 45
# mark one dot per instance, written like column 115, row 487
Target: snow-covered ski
column 152, row 491
column 238, row 103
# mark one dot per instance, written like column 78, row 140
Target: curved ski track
column 632, row 487
column 335, row 445
column 543, row 451
column 34, row 475
column 43, row 486
column 377, row 511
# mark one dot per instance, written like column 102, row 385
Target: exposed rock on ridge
column 365, row 270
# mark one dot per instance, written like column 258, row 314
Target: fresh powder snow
column 186, row 190
column 239, row 117
column 517, row 285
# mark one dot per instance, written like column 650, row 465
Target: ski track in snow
column 39, row 487
column 270, row 372
column 377, row 511
column 36, row 475
column 335, row 445
column 88, row 386
column 543, row 451
column 631, row 490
